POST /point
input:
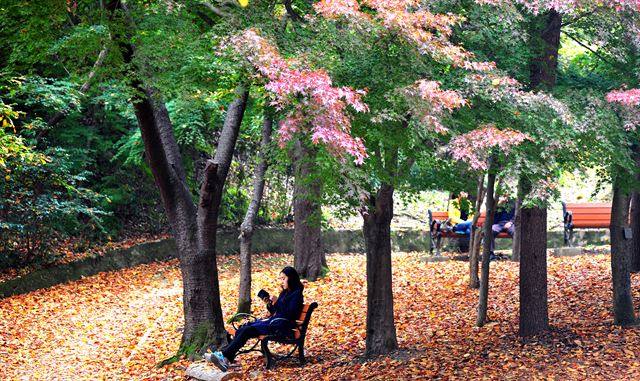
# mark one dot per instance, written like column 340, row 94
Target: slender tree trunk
column 309, row 256
column 476, row 237
column 620, row 257
column 246, row 229
column 474, row 254
column 516, row 244
column 381, row 331
column 488, row 222
column 57, row 117
column 534, row 317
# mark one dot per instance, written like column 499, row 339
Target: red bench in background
column 436, row 219
column 584, row 216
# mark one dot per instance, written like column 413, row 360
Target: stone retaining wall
column 264, row 241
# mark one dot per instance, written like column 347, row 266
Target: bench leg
column 268, row 357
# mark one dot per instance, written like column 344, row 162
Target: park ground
column 117, row 325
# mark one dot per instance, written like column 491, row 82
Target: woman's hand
column 271, row 301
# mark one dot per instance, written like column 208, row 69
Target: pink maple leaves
column 567, row 6
column 474, row 147
column 433, row 102
column 314, row 105
column 627, row 98
column 429, row 32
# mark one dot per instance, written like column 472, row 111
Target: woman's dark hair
column 293, row 278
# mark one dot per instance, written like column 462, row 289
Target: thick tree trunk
column 246, row 229
column 530, row 241
column 309, row 256
column 635, row 226
column 201, row 288
column 534, row 317
column 544, row 67
column 517, row 243
column 620, row 257
column 488, row 222
column 194, row 230
column 635, row 215
column 381, row 331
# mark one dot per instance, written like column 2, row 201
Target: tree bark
column 309, row 256
column 544, row 67
column 517, row 233
column 474, row 254
column 476, row 237
column 620, row 257
column 534, row 316
column 635, row 226
column 194, row 229
column 488, row 222
column 200, row 275
column 381, row 331
column 635, row 214
column 246, row 228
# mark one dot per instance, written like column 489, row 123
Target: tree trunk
column 635, row 214
column 476, row 236
column 474, row 254
column 534, row 317
column 530, row 241
column 381, row 331
column 517, row 233
column 488, row 222
column 194, row 230
column 246, row 229
column 635, row 226
column 57, row 117
column 309, row 256
column 544, row 67
column 201, row 287
column 620, row 257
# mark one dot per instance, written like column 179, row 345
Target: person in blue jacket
column 284, row 312
column 503, row 221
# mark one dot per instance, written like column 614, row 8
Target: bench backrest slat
column 303, row 321
column 596, row 215
column 441, row 216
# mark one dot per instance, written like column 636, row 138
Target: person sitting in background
column 458, row 213
column 503, row 221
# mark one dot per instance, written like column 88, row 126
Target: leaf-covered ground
column 116, row 326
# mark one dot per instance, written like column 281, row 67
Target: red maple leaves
column 314, row 106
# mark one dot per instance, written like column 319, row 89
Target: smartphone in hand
column 262, row 294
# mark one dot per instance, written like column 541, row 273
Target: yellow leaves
column 118, row 325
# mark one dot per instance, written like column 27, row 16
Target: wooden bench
column 436, row 219
column 295, row 337
column 584, row 216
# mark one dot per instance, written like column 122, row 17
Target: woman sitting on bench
column 284, row 312
column 458, row 213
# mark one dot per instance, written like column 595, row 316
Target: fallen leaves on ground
column 118, row 325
